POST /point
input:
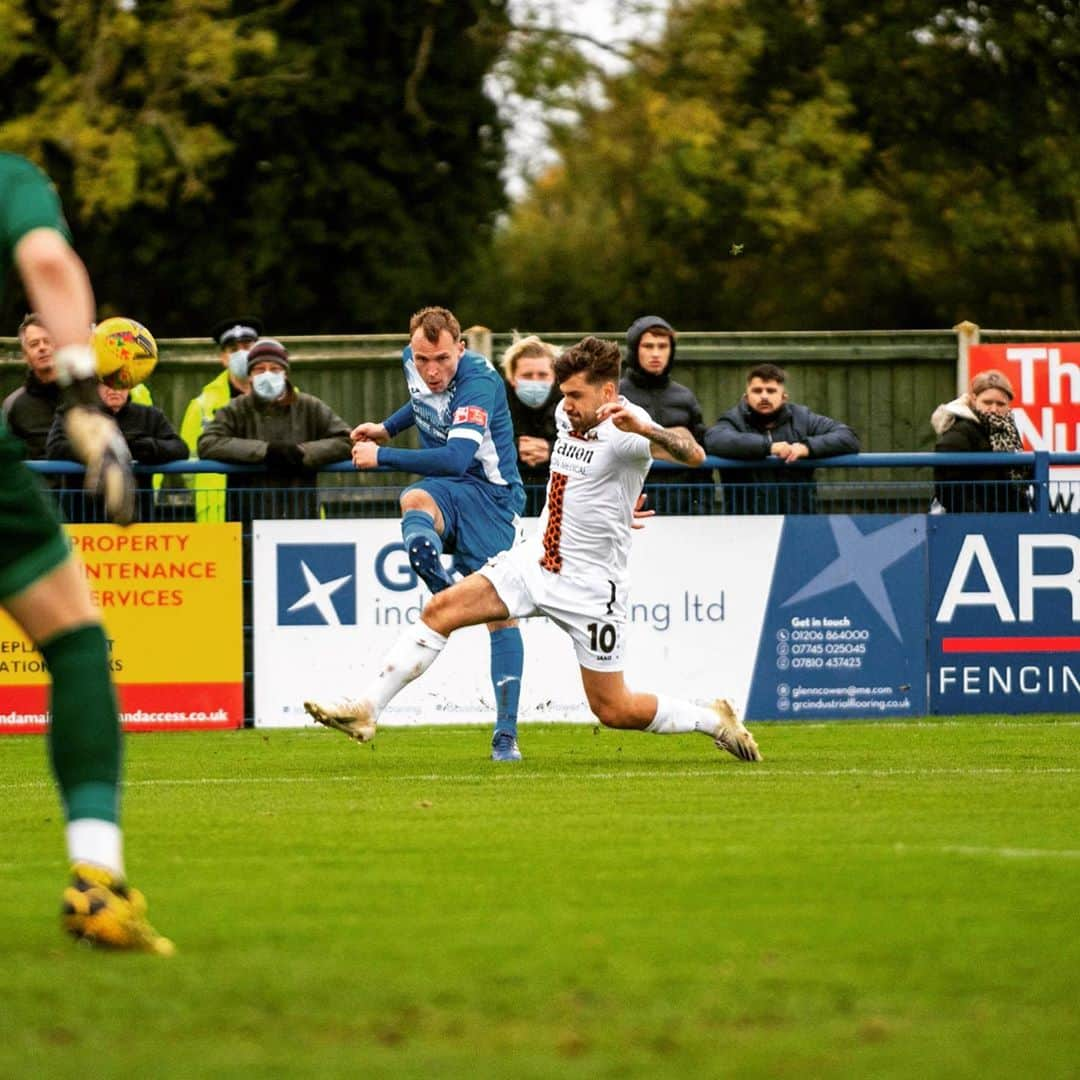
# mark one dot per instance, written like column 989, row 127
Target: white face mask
column 268, row 385
column 238, row 364
column 532, row 392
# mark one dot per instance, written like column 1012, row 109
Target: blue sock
column 507, row 660
column 424, row 546
column 415, row 523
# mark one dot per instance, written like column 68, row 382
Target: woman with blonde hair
column 980, row 421
column 529, row 368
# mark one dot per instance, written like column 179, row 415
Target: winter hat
column 268, row 349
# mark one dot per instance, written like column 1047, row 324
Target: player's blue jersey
column 472, row 407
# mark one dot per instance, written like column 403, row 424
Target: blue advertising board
column 844, row 633
column 1004, row 613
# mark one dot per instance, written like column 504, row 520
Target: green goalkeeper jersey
column 28, row 201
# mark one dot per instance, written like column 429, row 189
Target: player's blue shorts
column 480, row 519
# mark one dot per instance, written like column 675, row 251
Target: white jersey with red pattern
column 595, row 481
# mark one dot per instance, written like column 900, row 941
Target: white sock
column 94, row 841
column 677, row 717
column 409, row 657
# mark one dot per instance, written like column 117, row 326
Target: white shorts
column 592, row 613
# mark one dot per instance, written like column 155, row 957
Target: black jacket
column 976, row 489
column 151, row 439
column 29, row 413
column 538, row 423
column 744, row 435
column 669, row 404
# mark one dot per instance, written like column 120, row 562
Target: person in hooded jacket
column 764, row 425
column 292, row 434
column 980, row 421
column 647, row 382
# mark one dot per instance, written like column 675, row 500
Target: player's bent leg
column 616, row 706
column 507, row 662
column 99, row 908
column 468, row 603
column 613, row 703
column 58, row 600
column 422, row 526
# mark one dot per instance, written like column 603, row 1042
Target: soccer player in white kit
column 574, row 570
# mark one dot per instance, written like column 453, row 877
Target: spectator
column 529, row 368
column 980, row 421
column 650, row 356
column 233, row 338
column 764, row 424
column 30, row 409
column 150, row 437
column 292, row 434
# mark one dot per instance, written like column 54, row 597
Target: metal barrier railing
column 850, row 483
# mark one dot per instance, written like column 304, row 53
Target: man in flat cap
column 233, row 337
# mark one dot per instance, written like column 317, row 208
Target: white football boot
column 353, row 718
column 732, row 735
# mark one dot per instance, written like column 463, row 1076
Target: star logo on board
column 316, row 584
column 861, row 560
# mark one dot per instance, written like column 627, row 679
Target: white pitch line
column 993, row 852
column 723, row 772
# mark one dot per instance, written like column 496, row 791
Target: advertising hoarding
column 170, row 597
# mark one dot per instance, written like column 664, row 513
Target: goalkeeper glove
column 98, row 443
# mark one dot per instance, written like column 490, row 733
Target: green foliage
column 875, row 899
column 792, row 165
column 333, row 166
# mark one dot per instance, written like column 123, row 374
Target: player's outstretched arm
column 59, row 288
column 677, row 443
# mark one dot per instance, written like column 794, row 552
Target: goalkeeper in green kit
column 41, row 584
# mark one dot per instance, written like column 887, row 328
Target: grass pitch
column 886, row 899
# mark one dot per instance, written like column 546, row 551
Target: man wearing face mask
column 233, row 338
column 292, row 434
column 529, row 368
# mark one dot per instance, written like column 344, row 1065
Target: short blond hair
column 525, row 348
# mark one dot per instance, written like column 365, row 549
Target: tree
column 801, row 165
column 332, row 165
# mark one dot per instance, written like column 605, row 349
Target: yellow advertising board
column 171, row 600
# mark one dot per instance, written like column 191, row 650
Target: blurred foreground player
column 574, row 570
column 41, row 584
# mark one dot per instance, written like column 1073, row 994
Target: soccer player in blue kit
column 468, row 503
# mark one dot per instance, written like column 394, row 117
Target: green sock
column 84, row 736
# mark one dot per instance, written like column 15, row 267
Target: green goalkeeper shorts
column 31, row 541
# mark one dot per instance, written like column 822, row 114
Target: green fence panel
column 885, row 384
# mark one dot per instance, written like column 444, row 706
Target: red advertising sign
column 1046, row 381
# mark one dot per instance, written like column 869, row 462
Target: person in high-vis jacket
column 233, row 338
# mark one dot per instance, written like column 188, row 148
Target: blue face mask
column 532, row 392
column 238, row 364
column 268, row 385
